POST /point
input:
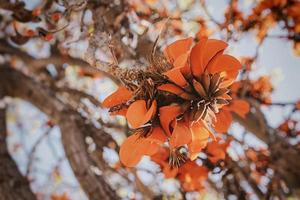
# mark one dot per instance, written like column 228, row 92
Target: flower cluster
column 267, row 13
column 259, row 89
column 191, row 175
column 174, row 104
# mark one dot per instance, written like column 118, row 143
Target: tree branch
column 72, row 125
column 13, row 186
column 285, row 157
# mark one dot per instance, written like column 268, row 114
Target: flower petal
column 161, row 156
column 167, row 114
column 181, row 135
column 149, row 147
column 120, row 96
column 240, row 107
column 175, row 90
column 200, row 136
column 226, row 83
column 212, row 48
column 137, row 113
column 134, row 147
column 217, row 150
column 157, row 135
column 177, row 48
column 129, row 152
column 225, row 63
column 176, row 76
column 197, row 52
column 223, row 122
column 181, row 61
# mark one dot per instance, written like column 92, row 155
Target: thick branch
column 72, row 126
column 56, row 59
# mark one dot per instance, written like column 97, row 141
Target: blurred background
column 34, row 140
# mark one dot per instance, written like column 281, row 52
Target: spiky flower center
column 177, row 157
column 209, row 97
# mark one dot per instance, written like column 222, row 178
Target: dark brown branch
column 55, row 59
column 72, row 125
column 13, row 186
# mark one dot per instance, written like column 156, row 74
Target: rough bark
column 16, row 84
column 13, row 186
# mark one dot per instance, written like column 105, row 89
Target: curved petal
column 181, row 135
column 134, row 147
column 167, row 114
column 200, row 136
column 177, row 48
column 129, row 153
column 176, row 90
column 225, row 63
column 120, row 96
column 157, row 135
column 223, row 122
column 149, row 147
column 212, row 48
column 181, row 61
column 152, row 144
column 232, row 74
column 212, row 62
column 197, row 52
column 226, row 83
column 240, row 107
column 176, row 76
column 161, row 156
column 137, row 113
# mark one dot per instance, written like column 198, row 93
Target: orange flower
column 135, row 146
column 161, row 157
column 175, row 101
column 216, row 150
column 200, row 136
column 182, row 132
column 200, row 76
column 192, row 176
column 224, row 117
column 117, row 100
column 224, row 120
column 138, row 114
